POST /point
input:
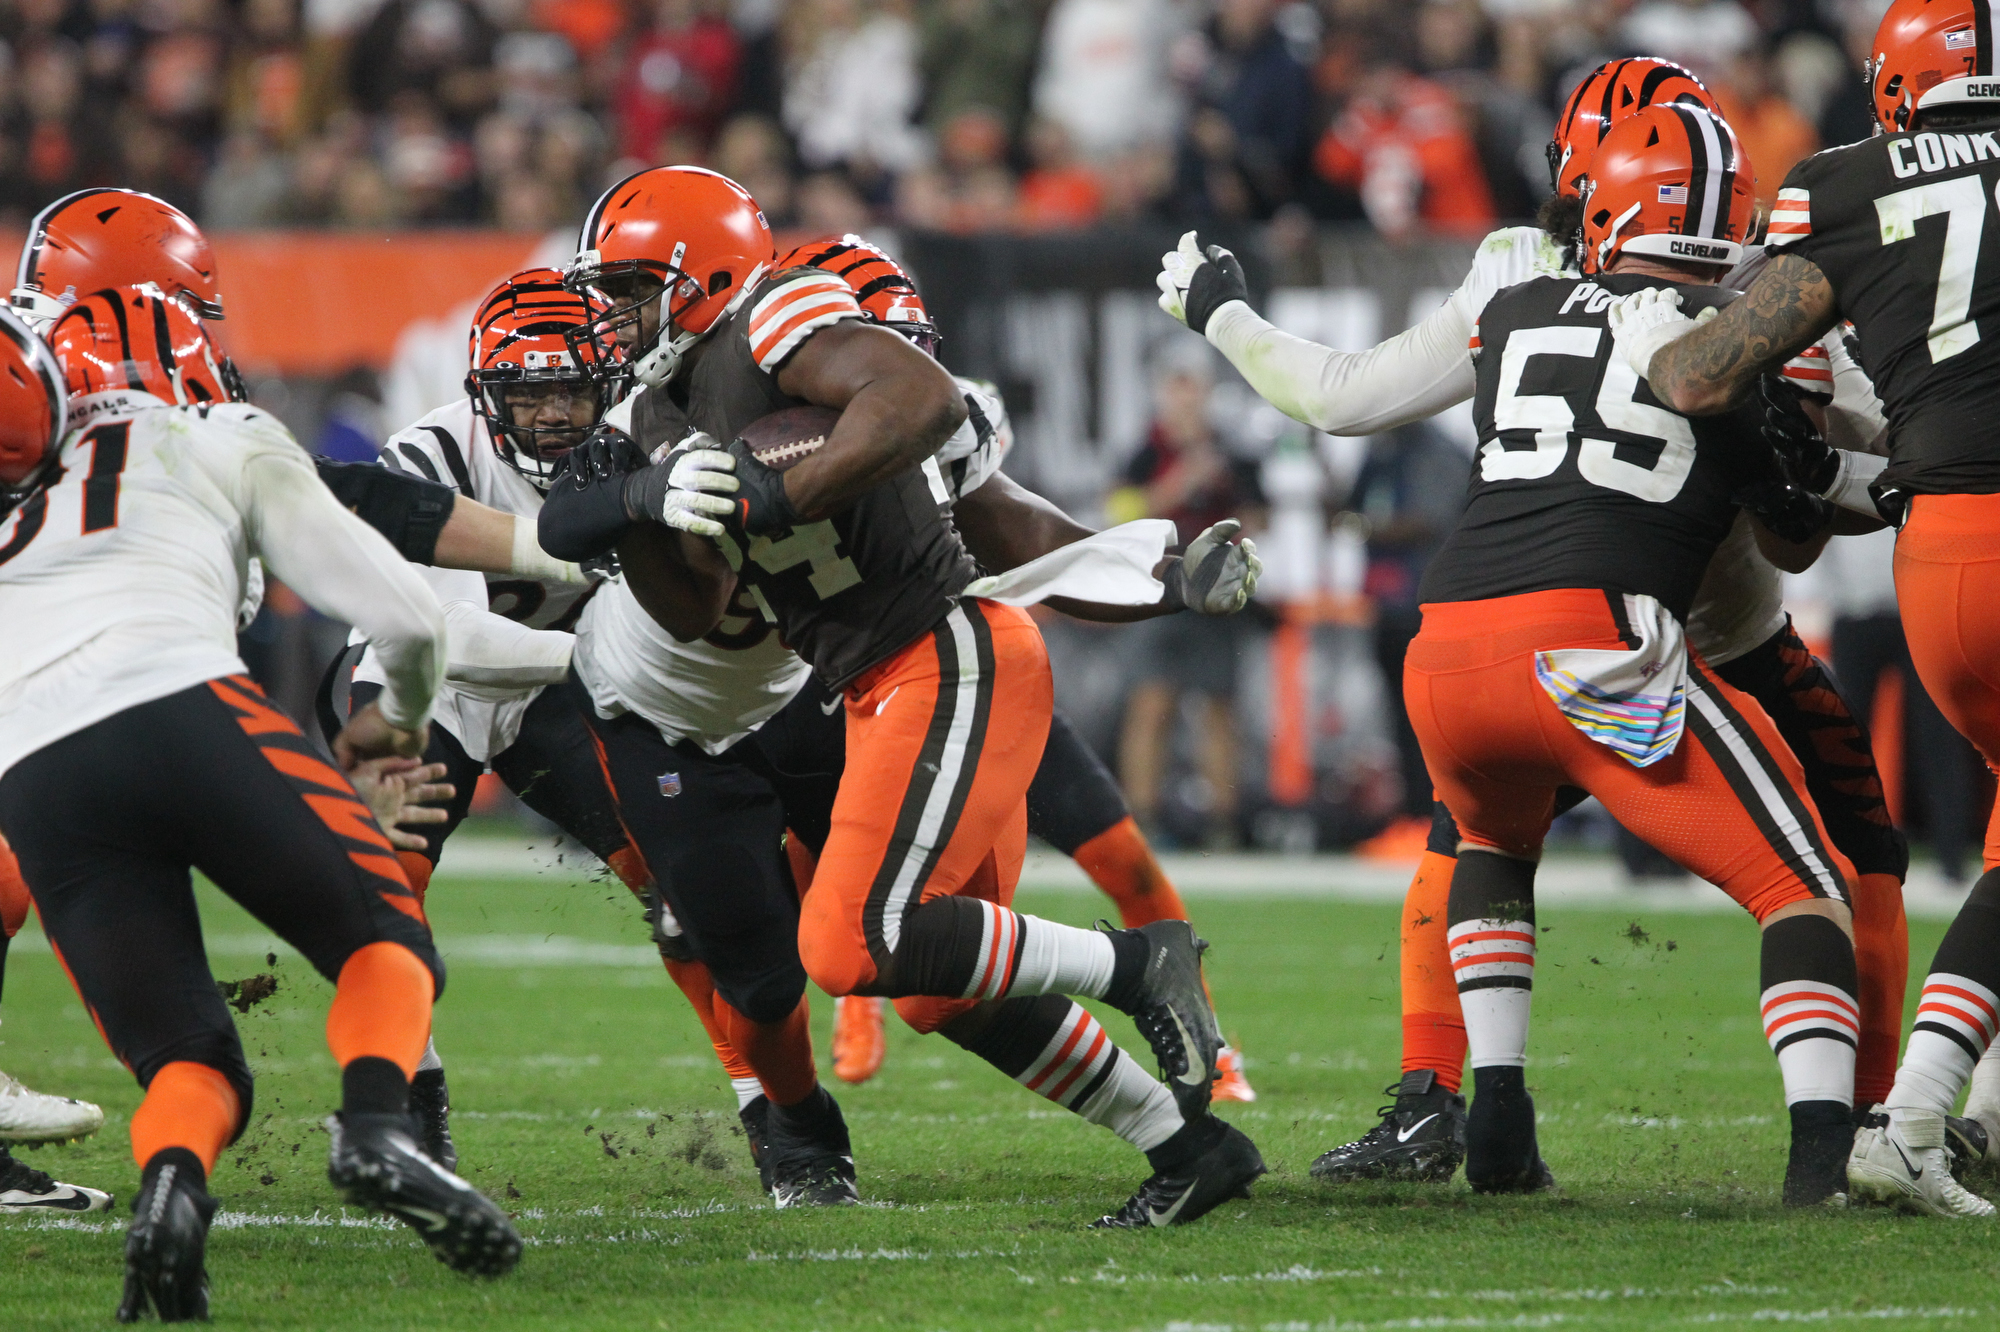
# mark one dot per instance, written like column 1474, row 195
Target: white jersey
column 1425, row 369
column 120, row 583
column 717, row 690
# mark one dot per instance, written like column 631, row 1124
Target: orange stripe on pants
column 1497, row 749
column 13, row 892
column 1948, row 587
column 892, row 712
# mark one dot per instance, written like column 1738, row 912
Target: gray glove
column 1213, row 577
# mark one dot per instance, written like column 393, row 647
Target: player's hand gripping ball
column 687, row 490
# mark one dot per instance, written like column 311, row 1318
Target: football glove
column 1213, row 577
column 1807, row 458
column 1648, row 320
column 761, row 507
column 605, row 452
column 1789, row 510
column 1194, row 283
column 686, row 489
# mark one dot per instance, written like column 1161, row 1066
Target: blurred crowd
column 966, row 115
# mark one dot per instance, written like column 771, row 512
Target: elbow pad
column 583, row 522
column 408, row 510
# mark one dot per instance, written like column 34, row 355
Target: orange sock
column 1882, row 957
column 630, row 867
column 1433, row 1023
column 780, row 1052
column 1119, row 862
column 188, row 1105
column 804, row 862
column 417, row 869
column 699, row 987
column 13, row 892
column 381, row 1007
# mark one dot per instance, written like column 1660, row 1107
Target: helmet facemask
column 540, row 408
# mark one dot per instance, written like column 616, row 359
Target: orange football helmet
column 95, row 239
column 524, row 350
column 1671, row 182
column 697, row 232
column 137, row 340
column 1931, row 53
column 886, row 293
column 1609, row 93
column 33, row 406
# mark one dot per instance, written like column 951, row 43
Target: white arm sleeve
column 1416, row 374
column 1854, row 419
column 346, row 569
column 489, row 649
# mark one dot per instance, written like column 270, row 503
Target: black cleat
column 756, row 1118
column 1969, row 1146
column 1501, row 1154
column 430, row 1102
column 1175, row 1016
column 24, row 1191
column 1421, row 1137
column 375, row 1163
column 166, row 1241
column 1191, row 1191
column 1822, row 1140
column 808, row 1159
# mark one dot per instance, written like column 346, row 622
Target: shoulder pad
column 792, row 307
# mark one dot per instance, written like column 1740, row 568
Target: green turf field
column 589, row 1102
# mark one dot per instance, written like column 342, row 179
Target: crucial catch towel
column 1633, row 700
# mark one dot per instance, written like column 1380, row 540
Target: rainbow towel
column 1633, row 701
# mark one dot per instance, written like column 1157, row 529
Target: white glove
column 1177, row 269
column 686, row 488
column 1214, row 577
column 1648, row 320
column 699, row 463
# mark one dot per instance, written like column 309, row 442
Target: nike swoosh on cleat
column 1166, row 1218
column 1403, row 1135
column 430, row 1221
column 1192, row 1076
column 1916, row 1172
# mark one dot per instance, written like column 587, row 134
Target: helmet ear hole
column 1653, row 139
column 719, row 281
column 1602, row 217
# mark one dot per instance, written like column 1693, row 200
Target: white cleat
column 24, row 1191
column 32, row 1116
column 1899, row 1158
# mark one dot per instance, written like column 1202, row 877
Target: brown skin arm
column 1005, row 525
column 682, row 581
column 897, row 407
column 1788, row 308
column 1799, row 556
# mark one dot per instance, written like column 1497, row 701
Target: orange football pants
column 942, row 741
column 1729, row 804
column 1948, row 586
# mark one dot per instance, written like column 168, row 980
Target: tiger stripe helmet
column 525, row 333
column 884, row 289
column 135, row 346
column 1609, row 93
column 94, row 239
column 696, row 231
column 33, row 406
column 1670, row 182
column 1932, row 53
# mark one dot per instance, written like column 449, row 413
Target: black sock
column 817, row 1118
column 1128, row 969
column 191, row 1173
column 1809, row 1115
column 4, row 941
column 374, row 1086
column 1189, row 1141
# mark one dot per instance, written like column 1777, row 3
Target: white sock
column 1493, row 962
column 1956, row 1018
column 1983, row 1101
column 1812, row 1027
column 430, row 1060
column 1055, row 959
column 747, row 1090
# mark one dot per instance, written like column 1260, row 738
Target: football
column 789, row 436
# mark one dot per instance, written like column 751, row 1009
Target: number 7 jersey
column 1583, row 479
column 1904, row 227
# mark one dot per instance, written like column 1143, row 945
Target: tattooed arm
column 1786, row 310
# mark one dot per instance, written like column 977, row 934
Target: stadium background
column 368, row 168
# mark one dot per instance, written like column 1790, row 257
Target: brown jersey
column 851, row 590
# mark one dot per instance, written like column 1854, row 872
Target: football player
column 1592, row 518
column 1893, row 236
column 133, row 748
column 1738, row 623
column 947, row 698
column 1074, row 803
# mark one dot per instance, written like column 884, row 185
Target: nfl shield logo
column 670, row 783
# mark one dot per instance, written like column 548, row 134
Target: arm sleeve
column 1854, row 420
column 1414, row 375
column 490, row 649
column 406, row 509
column 346, row 569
